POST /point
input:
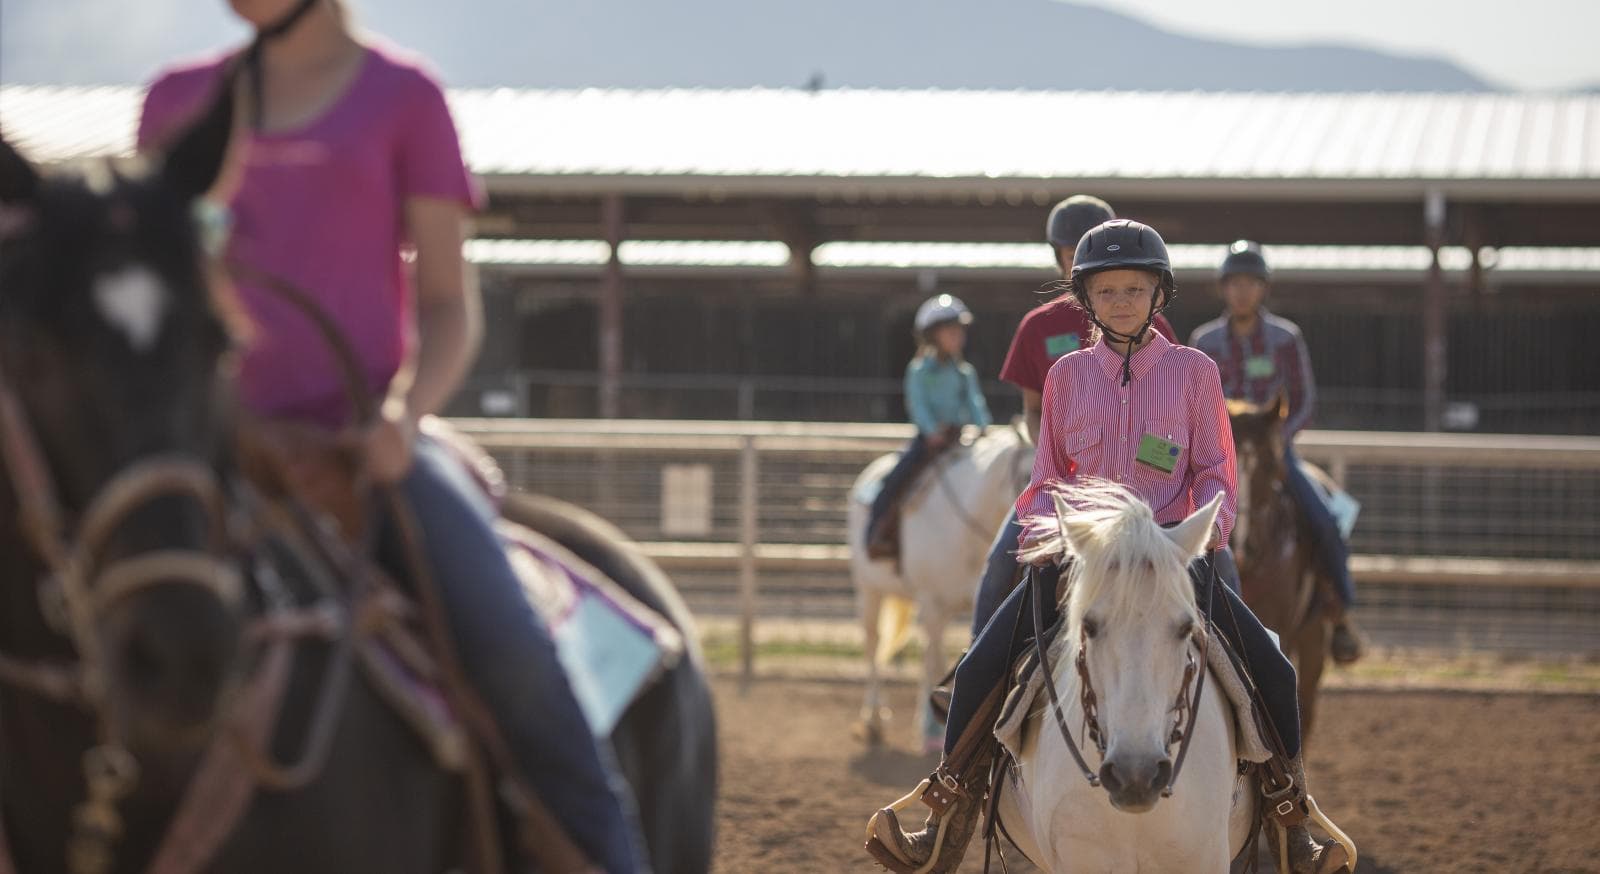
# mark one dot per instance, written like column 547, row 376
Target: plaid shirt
column 1271, row 359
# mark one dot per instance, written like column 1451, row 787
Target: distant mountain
column 1028, row 44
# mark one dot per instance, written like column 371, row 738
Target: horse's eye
column 1091, row 627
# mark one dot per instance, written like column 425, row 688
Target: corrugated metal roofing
column 939, row 135
column 1306, row 262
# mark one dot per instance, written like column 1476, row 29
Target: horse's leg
column 930, row 729
column 869, row 602
column 1311, row 645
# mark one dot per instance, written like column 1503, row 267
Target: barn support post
column 611, row 291
column 749, row 536
column 1434, row 341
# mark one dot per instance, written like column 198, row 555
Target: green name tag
column 1259, row 366
column 1157, row 453
column 1061, row 344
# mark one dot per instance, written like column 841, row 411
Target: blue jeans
column 1331, row 549
column 896, row 480
column 1011, row 627
column 509, row 656
column 1000, row 573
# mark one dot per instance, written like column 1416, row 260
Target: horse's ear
column 19, row 182
column 1193, row 533
column 194, row 161
column 1076, row 531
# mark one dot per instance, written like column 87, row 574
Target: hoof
column 870, row 734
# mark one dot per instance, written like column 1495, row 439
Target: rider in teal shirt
column 943, row 392
column 942, row 395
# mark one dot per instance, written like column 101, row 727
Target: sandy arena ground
column 1423, row 781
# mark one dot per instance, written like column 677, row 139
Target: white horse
column 948, row 520
column 1131, row 613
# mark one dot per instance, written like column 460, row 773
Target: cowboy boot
column 1346, row 645
column 1289, row 810
column 954, row 793
column 883, row 538
column 939, row 845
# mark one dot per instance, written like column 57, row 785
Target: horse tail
column 894, row 627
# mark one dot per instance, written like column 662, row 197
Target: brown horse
column 1273, row 547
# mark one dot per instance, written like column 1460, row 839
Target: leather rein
column 1186, row 708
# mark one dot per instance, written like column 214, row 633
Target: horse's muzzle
column 168, row 661
column 1135, row 783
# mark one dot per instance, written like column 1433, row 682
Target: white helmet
column 939, row 309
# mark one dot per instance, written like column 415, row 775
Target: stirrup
column 1282, row 814
column 884, row 852
column 1333, row 830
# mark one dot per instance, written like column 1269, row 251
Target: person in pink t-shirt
column 352, row 159
column 1135, row 409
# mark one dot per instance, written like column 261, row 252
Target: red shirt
column 1048, row 332
column 1093, row 426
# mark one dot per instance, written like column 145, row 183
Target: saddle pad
column 1344, row 508
column 867, row 492
column 611, row 645
column 1019, row 707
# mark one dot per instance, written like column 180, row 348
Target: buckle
column 948, row 782
column 1285, row 808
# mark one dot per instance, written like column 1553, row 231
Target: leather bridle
column 79, row 588
column 1186, row 708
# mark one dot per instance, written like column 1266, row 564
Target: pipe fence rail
column 1464, row 542
column 711, row 397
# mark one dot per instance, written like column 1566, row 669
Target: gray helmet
column 1245, row 257
column 939, row 309
column 1072, row 218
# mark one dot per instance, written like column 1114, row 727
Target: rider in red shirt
column 1046, row 333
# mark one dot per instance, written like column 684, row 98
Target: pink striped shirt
column 1092, row 425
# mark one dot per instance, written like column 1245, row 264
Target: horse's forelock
column 104, row 215
column 1121, row 557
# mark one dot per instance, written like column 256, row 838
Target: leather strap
column 967, row 764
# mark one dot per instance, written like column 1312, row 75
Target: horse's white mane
column 1114, row 538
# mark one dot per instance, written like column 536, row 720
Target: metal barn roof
column 1341, row 145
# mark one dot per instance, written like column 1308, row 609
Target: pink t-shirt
column 322, row 206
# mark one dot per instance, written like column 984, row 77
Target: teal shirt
column 940, row 393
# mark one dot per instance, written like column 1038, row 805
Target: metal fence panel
column 1463, row 541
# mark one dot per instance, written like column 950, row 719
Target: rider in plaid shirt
column 1262, row 356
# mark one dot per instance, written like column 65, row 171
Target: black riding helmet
column 1072, row 218
column 1123, row 244
column 1244, row 258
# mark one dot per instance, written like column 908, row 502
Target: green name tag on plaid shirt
column 1157, row 453
column 1061, row 344
column 1259, row 367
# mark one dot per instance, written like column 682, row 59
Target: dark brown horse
column 135, row 573
column 1273, row 547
